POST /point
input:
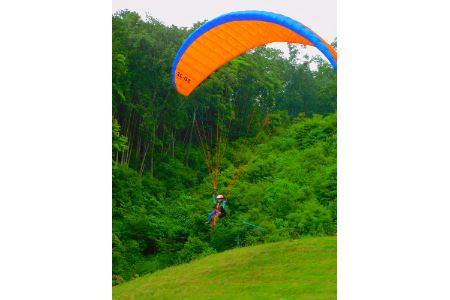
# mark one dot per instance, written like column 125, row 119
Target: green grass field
column 301, row 269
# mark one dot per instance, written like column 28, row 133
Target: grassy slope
column 301, row 269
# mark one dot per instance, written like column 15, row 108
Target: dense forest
column 262, row 128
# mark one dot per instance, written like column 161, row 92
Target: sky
column 319, row 15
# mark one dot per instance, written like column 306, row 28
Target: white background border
column 393, row 150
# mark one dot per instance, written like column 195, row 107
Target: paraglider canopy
column 223, row 38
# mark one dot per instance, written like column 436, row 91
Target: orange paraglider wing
column 222, row 39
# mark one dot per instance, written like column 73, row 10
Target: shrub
column 194, row 248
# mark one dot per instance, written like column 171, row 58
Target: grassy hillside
column 300, row 269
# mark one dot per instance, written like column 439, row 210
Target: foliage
column 119, row 142
column 194, row 248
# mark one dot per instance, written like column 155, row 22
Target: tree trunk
column 153, row 149
column 124, row 155
column 127, row 161
column 190, row 139
column 143, row 159
column 138, row 146
column 173, row 142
